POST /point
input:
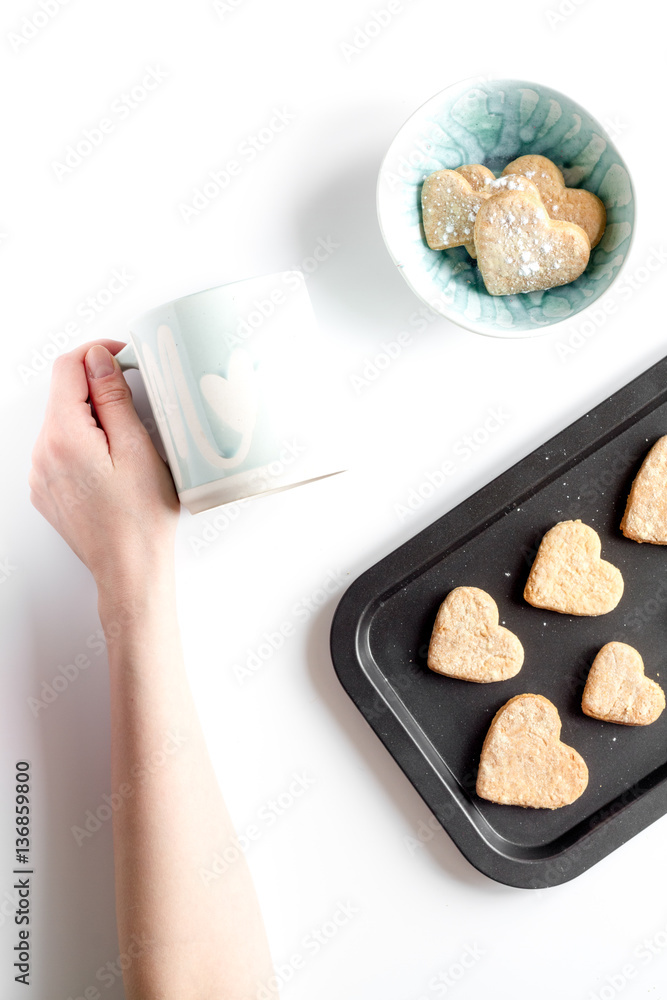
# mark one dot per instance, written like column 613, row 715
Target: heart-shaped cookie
column 617, row 689
column 523, row 761
column 561, row 202
column 569, row 576
column 467, row 642
column 645, row 518
column 478, row 177
column 449, row 208
column 520, row 249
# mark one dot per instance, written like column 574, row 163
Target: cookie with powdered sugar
column 479, row 177
column 449, row 209
column 569, row 575
column 617, row 689
column 645, row 517
column 520, row 248
column 561, row 202
column 467, row 642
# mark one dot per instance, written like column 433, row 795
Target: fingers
column 69, row 385
column 111, row 397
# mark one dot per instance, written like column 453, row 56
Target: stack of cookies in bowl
column 527, row 230
column 482, row 130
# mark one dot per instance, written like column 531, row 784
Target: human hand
column 104, row 488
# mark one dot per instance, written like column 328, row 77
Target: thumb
column 111, row 396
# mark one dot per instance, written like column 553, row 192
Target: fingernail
column 99, row 362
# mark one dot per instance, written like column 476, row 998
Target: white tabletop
column 363, row 894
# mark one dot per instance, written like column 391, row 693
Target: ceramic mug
column 234, row 376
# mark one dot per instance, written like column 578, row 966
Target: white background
column 350, row 837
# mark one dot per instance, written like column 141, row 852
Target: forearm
column 100, row 482
column 192, row 937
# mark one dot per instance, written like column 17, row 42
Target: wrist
column 138, row 613
column 130, row 587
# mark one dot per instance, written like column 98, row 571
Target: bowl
column 493, row 122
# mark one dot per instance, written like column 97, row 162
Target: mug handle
column 126, row 358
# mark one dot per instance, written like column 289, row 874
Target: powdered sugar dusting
column 449, row 209
column 512, row 251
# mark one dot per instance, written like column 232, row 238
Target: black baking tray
column 434, row 726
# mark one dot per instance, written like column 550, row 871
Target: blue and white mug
column 234, row 376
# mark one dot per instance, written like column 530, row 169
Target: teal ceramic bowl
column 493, row 122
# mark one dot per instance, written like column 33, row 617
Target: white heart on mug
column 233, row 399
